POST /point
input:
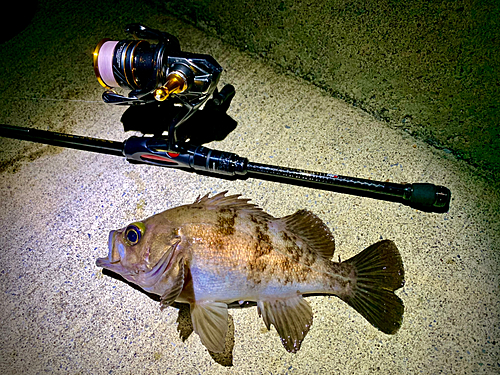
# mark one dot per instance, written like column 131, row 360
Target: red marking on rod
column 156, row 157
column 173, row 154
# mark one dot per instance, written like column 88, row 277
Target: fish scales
column 222, row 249
column 261, row 249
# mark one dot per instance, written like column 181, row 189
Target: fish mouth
column 144, row 278
column 115, row 253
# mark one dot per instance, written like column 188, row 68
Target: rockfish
column 223, row 249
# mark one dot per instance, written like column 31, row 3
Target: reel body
column 155, row 72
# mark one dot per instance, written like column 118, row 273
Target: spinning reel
column 160, row 73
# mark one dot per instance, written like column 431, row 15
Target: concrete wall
column 430, row 68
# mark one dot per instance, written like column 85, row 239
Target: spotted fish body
column 222, row 249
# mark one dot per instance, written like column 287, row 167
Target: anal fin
column 210, row 323
column 291, row 317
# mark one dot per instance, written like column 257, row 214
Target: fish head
column 141, row 252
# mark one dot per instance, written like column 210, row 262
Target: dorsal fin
column 313, row 231
column 221, row 200
column 231, row 201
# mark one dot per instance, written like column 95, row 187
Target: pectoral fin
column 210, row 323
column 175, row 283
column 291, row 317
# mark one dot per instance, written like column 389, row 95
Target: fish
column 223, row 249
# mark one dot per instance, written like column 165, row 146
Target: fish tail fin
column 379, row 272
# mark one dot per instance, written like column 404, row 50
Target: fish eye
column 134, row 233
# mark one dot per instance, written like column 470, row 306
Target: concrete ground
column 430, row 68
column 60, row 314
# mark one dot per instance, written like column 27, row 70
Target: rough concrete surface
column 431, row 68
column 61, row 314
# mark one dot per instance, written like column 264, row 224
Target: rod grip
column 429, row 195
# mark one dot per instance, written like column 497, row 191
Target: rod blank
column 155, row 151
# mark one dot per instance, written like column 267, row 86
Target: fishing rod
column 155, row 151
column 174, row 84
